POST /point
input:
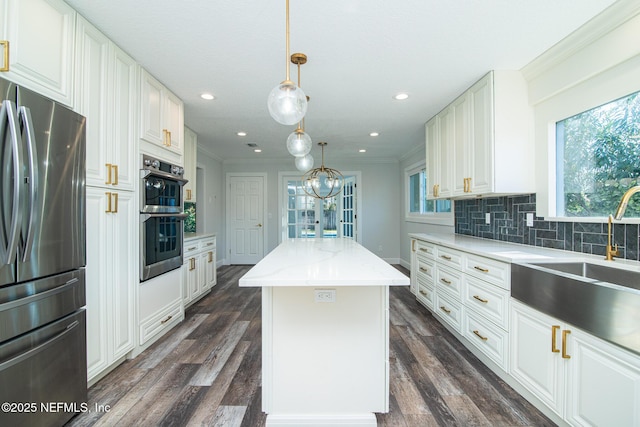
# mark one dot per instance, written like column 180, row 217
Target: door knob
column 259, row 225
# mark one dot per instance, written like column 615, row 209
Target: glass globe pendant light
column 287, row 103
column 322, row 182
column 299, row 142
column 304, row 163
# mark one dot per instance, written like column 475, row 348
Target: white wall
column 379, row 189
column 210, row 200
column 596, row 64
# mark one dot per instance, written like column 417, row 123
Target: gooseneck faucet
column 622, row 207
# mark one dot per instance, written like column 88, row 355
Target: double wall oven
column 161, row 217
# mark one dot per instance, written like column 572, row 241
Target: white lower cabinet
column 111, row 278
column 585, row 380
column 198, row 268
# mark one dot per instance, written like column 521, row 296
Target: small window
column 598, row 159
column 419, row 208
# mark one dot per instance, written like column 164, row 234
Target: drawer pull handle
column 564, row 344
column 413, row 246
column 424, row 250
column 480, row 299
column 554, row 330
column 166, row 320
column 443, row 308
column 480, row 336
column 424, row 293
column 445, row 281
column 5, row 64
column 447, row 257
column 424, row 270
column 193, row 248
column 484, row 270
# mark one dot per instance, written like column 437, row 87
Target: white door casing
column 246, row 227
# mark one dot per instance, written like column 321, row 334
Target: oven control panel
column 150, row 163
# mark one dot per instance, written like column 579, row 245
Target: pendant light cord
column 287, row 43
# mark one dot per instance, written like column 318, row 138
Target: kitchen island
column 325, row 332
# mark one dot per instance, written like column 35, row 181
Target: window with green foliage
column 418, row 204
column 598, row 159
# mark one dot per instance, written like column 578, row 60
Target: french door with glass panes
column 308, row 217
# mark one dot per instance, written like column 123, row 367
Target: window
column 598, row 159
column 419, row 208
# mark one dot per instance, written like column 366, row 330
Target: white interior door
column 245, row 218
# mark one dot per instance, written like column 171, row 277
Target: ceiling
column 360, row 54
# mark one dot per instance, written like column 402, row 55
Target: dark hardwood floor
column 207, row 372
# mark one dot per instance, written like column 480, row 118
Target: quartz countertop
column 322, row 262
column 516, row 252
column 195, row 236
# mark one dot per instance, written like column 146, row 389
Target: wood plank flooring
column 207, row 372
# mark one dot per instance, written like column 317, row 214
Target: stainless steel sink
column 581, row 294
column 601, row 273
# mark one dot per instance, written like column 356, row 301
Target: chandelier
column 322, row 182
column 287, row 103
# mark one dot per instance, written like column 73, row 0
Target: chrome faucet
column 622, row 207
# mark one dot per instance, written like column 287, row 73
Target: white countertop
column 195, row 236
column 517, row 253
column 322, row 262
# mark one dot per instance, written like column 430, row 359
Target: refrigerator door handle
column 8, row 115
column 32, row 178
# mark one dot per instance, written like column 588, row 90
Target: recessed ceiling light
column 241, row 133
column 374, row 134
column 401, row 96
column 362, row 150
column 207, row 96
column 257, row 150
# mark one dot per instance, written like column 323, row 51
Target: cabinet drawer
column 191, row 247
column 488, row 300
column 425, row 269
column 162, row 320
column 425, row 294
column 488, row 269
column 208, row 244
column 487, row 338
column 449, row 281
column 425, row 249
column 449, row 311
column 449, row 257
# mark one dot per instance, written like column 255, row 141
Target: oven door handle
column 145, row 216
column 145, row 173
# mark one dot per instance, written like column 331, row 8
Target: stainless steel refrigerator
column 43, row 367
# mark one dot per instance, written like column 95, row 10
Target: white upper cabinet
column 485, row 145
column 106, row 93
column 161, row 119
column 190, row 164
column 39, row 37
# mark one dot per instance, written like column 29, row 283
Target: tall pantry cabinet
column 106, row 93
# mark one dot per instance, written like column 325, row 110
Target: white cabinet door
column 41, row 46
column 445, row 156
column 123, row 277
column 92, row 51
column 162, row 115
column 151, row 126
column 534, row 362
column 603, row 386
column 481, row 161
column 432, row 133
column 190, row 164
column 461, row 148
column 210, row 269
column 123, row 118
column 111, row 277
column 96, row 276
